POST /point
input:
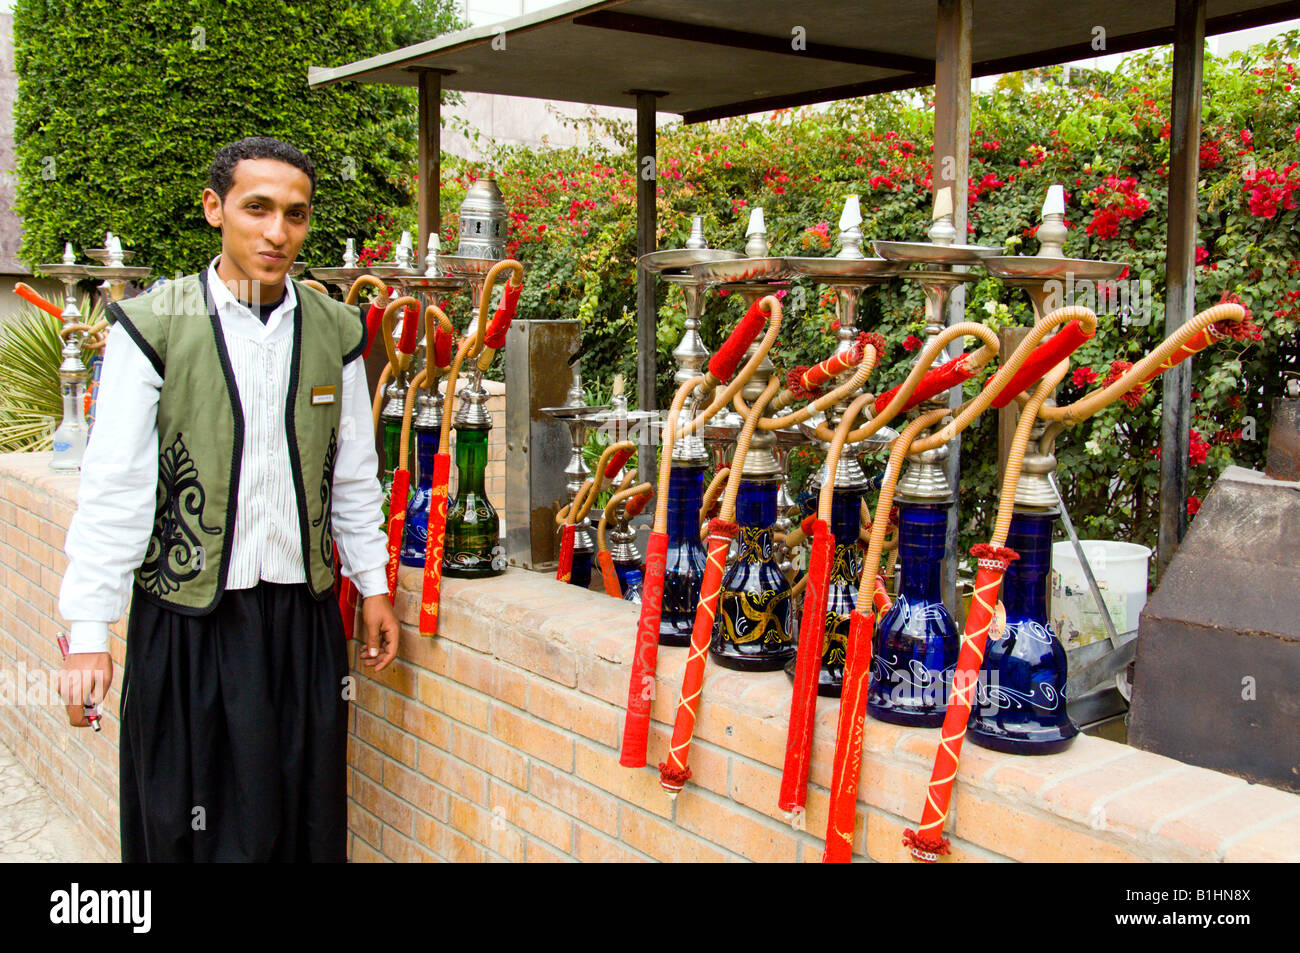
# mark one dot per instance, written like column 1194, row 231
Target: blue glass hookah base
column 915, row 646
column 684, row 566
column 1020, row 704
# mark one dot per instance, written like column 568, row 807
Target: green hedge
column 121, row 107
column 1103, row 136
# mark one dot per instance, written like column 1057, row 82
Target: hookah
column 915, row 644
column 685, row 556
column 620, row 567
column 70, row 435
column 480, row 346
column 926, row 843
column 849, row 273
column 575, row 414
column 575, row 513
column 1022, row 683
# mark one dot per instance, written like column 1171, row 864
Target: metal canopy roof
column 729, row 57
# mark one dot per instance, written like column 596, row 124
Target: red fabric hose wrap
column 1237, row 330
column 1046, row 356
column 674, row 772
column 616, row 462
column 640, row 693
column 725, row 360
column 835, row 365
column 936, row 381
column 410, row 325
column 608, row 574
column 564, row 570
column 638, row 503
column 803, row 706
column 396, row 525
column 495, row 335
column 443, row 341
column 374, row 320
column 433, row 552
column 927, row 841
column 28, row 294
column 848, row 740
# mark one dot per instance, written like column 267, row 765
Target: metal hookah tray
column 668, row 259
column 738, row 270
column 459, row 266
column 843, row 267
column 1030, row 266
column 928, row 253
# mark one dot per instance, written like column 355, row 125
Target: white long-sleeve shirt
column 109, row 534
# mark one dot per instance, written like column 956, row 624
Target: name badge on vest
column 322, row 394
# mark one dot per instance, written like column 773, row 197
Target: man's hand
column 84, row 680
column 381, row 624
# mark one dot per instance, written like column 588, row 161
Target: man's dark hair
column 222, row 174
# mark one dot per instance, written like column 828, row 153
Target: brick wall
column 498, row 741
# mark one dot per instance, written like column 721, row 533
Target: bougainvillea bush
column 1104, row 136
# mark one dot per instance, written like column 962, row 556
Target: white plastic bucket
column 1121, row 573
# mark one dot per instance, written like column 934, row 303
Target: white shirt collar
column 238, row 316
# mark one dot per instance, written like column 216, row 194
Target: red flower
column 1193, row 506
column 911, row 342
column 1197, row 450
column 1202, row 256
column 1084, row 376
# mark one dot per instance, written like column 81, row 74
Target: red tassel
column 637, row 504
column 725, row 360
column 443, row 340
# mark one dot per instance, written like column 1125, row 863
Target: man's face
column 263, row 222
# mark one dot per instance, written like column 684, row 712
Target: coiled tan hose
column 1016, row 455
column 585, row 498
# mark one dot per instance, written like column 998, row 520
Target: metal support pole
column 952, row 76
column 647, row 225
column 1180, row 273
column 429, row 209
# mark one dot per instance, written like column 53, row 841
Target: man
column 231, row 450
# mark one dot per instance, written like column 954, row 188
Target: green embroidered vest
column 201, row 433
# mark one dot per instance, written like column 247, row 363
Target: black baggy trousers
column 234, row 730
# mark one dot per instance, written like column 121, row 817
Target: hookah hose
column 1053, row 350
column 470, row 347
column 674, row 772
column 927, row 842
column 375, row 314
column 645, row 658
column 29, row 294
column 812, row 630
column 571, row 514
column 993, row 558
column 437, row 344
column 710, row 501
column 636, row 498
column 315, row 285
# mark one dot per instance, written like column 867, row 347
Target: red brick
column 574, row 798
column 592, row 848
column 488, row 675
column 398, row 677
column 762, row 739
column 533, row 737
column 445, row 696
column 1277, row 843
column 403, row 850
column 416, row 790
column 540, row 854
column 603, row 680
column 639, row 786
column 545, row 658
column 394, row 742
column 450, row 772
column 1078, row 795
column 719, row 822
column 574, row 711
column 363, row 853
column 1023, row 834
column 416, row 720
column 1207, row 827
column 501, row 761
column 531, row 815
column 664, row 842
column 392, row 811
column 363, row 824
